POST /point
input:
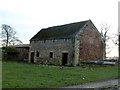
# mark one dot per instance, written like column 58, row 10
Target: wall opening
column 32, row 57
column 51, row 54
column 37, row 54
column 64, row 58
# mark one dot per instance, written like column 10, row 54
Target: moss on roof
column 62, row 31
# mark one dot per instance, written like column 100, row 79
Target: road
column 100, row 84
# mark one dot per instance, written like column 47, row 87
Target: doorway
column 32, row 57
column 64, row 58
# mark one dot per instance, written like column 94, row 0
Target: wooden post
column 119, row 30
column 119, row 46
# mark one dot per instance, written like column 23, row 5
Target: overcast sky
column 27, row 17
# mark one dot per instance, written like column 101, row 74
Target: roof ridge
column 66, row 24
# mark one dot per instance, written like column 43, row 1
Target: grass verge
column 22, row 75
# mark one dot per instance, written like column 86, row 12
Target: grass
column 0, row 74
column 22, row 75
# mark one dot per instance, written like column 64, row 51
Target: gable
column 58, row 32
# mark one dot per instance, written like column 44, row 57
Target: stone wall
column 23, row 53
column 90, row 44
column 86, row 45
column 57, row 47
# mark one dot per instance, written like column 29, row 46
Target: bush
column 9, row 53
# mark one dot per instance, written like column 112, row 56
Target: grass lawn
column 22, row 75
column 0, row 74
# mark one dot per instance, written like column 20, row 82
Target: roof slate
column 57, row 32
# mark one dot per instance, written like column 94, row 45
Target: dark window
column 37, row 54
column 51, row 54
column 34, row 41
column 64, row 58
column 32, row 57
column 53, row 40
column 44, row 41
column 65, row 40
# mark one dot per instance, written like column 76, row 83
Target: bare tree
column 104, row 33
column 115, row 39
column 8, row 36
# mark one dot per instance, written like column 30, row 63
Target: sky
column 28, row 17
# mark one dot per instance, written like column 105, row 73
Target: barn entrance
column 32, row 57
column 64, row 58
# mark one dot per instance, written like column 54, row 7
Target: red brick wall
column 90, row 44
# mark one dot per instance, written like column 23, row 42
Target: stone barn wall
column 23, row 53
column 50, row 51
column 84, row 43
column 90, row 44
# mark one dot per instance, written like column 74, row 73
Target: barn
column 68, row 44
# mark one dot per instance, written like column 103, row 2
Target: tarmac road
column 100, row 84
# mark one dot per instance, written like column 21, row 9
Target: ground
column 0, row 73
column 24, row 75
column 99, row 84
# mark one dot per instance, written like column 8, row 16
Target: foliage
column 8, row 36
column 22, row 75
column 10, row 49
column 9, row 53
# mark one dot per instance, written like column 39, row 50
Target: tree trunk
column 7, row 45
column 7, row 41
column 104, row 51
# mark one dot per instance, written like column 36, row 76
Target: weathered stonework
column 84, row 44
column 90, row 44
column 57, row 47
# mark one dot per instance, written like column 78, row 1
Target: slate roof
column 57, row 32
